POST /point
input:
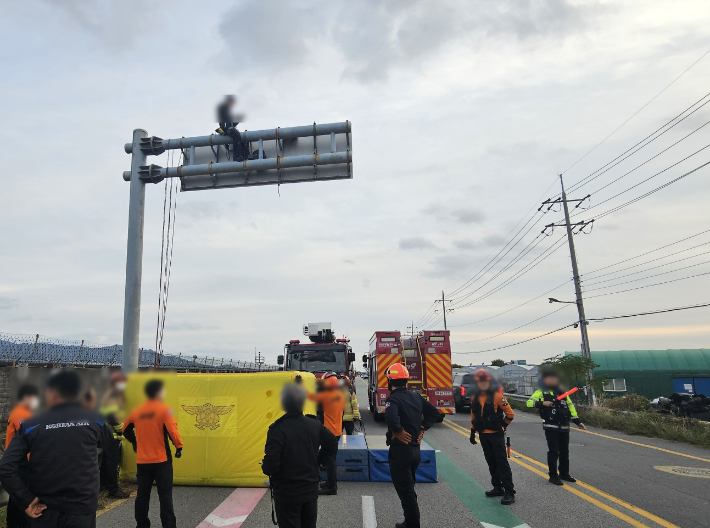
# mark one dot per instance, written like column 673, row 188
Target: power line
column 651, row 313
column 649, row 252
column 519, row 342
column 649, row 285
column 514, row 329
column 644, row 278
column 637, row 112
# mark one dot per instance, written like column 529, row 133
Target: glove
column 178, row 452
column 472, row 439
column 421, row 435
column 403, row 436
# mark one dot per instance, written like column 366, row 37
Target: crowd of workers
column 55, row 463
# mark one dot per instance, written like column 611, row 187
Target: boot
column 328, row 491
column 508, row 498
column 118, row 493
column 497, row 491
column 554, row 479
column 568, row 478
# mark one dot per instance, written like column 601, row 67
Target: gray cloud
column 6, row 303
column 366, row 283
column 487, row 241
column 348, row 261
column 468, row 216
column 416, row 243
column 179, row 326
column 374, row 37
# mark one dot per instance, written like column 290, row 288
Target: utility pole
column 412, row 328
column 586, row 351
column 443, row 302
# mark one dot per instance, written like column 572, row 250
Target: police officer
column 112, row 408
column 63, row 488
column 291, row 460
column 408, row 415
column 490, row 417
column 148, row 428
column 27, row 403
column 556, row 415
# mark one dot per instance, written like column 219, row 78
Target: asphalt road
column 618, row 486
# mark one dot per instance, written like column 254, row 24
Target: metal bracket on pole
column 152, row 145
column 150, row 173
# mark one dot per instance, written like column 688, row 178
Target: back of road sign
column 283, row 159
column 223, row 420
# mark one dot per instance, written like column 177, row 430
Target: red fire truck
column 324, row 353
column 426, row 355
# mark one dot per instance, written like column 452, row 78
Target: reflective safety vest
column 351, row 409
column 558, row 415
column 486, row 418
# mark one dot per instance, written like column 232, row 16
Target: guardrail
column 516, row 397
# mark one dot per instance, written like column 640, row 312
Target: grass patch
column 105, row 501
column 641, row 423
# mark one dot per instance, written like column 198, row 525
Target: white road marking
column 488, row 525
column 369, row 519
column 213, row 520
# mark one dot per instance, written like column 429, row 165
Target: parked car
column 462, row 382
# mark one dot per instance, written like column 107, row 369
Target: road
column 618, row 485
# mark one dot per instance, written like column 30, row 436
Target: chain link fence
column 33, row 350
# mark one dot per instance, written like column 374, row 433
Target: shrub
column 630, row 402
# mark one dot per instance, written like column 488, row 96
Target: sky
column 463, row 116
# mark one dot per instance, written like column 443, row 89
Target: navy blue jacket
column 409, row 411
column 64, row 443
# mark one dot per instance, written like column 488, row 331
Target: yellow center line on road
column 643, row 445
column 658, row 520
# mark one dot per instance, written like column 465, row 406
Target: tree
column 456, row 365
column 572, row 371
column 498, row 363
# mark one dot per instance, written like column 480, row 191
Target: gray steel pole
column 586, row 351
column 134, row 257
column 443, row 307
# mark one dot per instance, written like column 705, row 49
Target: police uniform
column 490, row 416
column 406, row 410
column 291, row 462
column 16, row 517
column 555, row 422
column 148, row 428
column 63, row 472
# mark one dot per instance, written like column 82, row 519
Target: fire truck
column 427, row 357
column 324, row 353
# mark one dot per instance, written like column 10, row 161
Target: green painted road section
column 488, row 510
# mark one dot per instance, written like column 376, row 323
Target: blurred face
column 484, row 385
column 551, row 381
column 52, row 398
column 120, row 386
column 31, row 402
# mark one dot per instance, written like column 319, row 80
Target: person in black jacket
column 408, row 415
column 228, row 125
column 64, row 472
column 291, row 460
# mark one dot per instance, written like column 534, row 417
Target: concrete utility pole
column 443, row 302
column 586, row 351
column 134, row 257
column 317, row 152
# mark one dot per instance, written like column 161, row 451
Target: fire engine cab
column 324, row 353
column 427, row 357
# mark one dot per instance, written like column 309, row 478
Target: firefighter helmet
column 331, row 381
column 482, row 375
column 397, row 372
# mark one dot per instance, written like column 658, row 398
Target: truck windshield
column 317, row 360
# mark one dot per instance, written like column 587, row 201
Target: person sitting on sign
column 228, row 127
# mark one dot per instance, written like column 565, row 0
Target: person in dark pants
column 556, row 415
column 27, row 403
column 490, row 417
column 332, row 402
column 291, row 460
column 228, row 125
column 63, row 486
column 112, row 409
column 154, row 423
column 408, row 415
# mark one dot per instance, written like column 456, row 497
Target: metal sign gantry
column 280, row 155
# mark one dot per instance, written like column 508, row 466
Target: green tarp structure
column 651, row 372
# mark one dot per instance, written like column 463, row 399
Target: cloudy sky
column 463, row 114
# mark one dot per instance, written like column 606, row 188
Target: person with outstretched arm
column 63, row 485
column 291, row 460
column 408, row 415
column 148, row 428
column 556, row 415
column 332, row 402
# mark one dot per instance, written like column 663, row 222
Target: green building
column 654, row 373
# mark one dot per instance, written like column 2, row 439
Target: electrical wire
column 650, row 313
column 519, row 342
column 644, row 278
column 648, row 286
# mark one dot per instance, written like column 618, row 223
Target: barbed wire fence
column 38, row 350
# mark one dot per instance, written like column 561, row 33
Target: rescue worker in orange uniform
column 332, row 402
column 490, row 416
column 27, row 403
column 148, row 428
